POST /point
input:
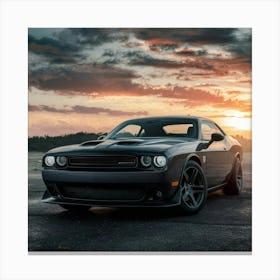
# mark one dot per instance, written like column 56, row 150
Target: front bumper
column 111, row 188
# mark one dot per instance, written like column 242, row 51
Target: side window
column 207, row 129
column 218, row 130
column 130, row 130
column 177, row 128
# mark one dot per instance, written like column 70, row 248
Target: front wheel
column 193, row 188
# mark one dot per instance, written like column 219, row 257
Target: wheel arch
column 193, row 157
column 189, row 157
column 237, row 155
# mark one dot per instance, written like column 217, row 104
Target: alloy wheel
column 193, row 187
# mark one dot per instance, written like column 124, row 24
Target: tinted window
column 175, row 127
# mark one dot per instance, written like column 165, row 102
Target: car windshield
column 156, row 128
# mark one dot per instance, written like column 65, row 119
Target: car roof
column 165, row 118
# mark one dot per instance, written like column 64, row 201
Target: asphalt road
column 224, row 224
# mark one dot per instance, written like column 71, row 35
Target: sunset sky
column 92, row 79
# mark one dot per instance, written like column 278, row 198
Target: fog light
column 160, row 161
column 159, row 194
column 61, row 160
column 49, row 160
column 146, row 161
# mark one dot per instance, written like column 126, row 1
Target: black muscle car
column 147, row 162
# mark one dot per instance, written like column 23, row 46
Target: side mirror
column 216, row 137
column 102, row 136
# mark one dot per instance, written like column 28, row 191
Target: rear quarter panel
column 234, row 151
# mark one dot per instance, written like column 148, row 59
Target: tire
column 75, row 208
column 193, row 187
column 235, row 184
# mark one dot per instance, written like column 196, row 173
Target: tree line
column 45, row 143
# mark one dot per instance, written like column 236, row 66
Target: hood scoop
column 91, row 143
column 129, row 142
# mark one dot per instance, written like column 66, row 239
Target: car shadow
column 128, row 213
column 215, row 202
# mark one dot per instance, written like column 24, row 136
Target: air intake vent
column 129, row 142
column 123, row 192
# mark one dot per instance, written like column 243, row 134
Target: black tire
column 235, row 184
column 75, row 208
column 193, row 187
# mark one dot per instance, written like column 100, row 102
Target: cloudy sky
column 93, row 79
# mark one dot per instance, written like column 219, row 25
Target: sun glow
column 238, row 123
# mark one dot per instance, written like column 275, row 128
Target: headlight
column 160, row 161
column 61, row 160
column 146, row 161
column 49, row 160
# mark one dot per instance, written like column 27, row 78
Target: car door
column 215, row 156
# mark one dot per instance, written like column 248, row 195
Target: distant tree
column 45, row 143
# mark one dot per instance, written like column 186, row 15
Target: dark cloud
column 112, row 61
column 214, row 68
column 82, row 79
column 54, row 50
column 242, row 50
column 98, row 36
column 235, row 40
column 161, row 47
column 111, row 57
column 140, row 58
column 190, row 52
column 85, row 110
column 242, row 46
column 109, row 53
column 200, row 64
column 67, row 46
column 187, row 35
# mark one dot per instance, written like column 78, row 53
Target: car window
column 177, row 128
column 207, row 129
column 131, row 130
column 157, row 128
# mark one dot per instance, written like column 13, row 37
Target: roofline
column 170, row 117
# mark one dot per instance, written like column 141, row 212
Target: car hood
column 122, row 145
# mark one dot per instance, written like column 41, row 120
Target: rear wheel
column 235, row 184
column 75, row 208
column 193, row 188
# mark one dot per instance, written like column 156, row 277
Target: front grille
column 103, row 161
column 93, row 191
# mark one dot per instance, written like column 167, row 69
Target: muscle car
column 169, row 161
